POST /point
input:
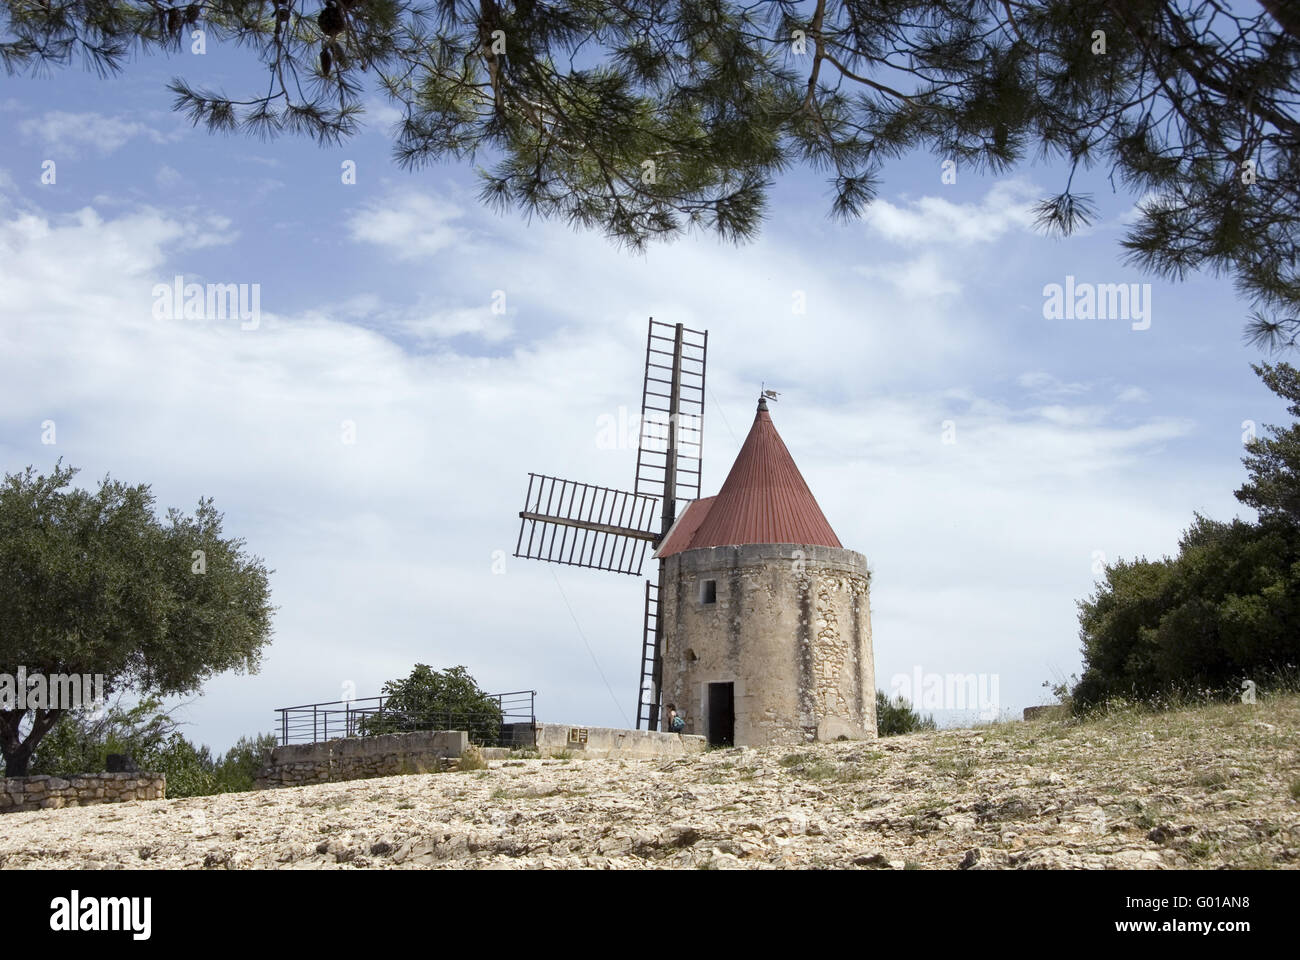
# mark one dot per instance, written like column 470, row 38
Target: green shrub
column 896, row 716
column 1196, row 625
column 430, row 699
column 189, row 769
column 1223, row 611
column 82, row 741
column 237, row 770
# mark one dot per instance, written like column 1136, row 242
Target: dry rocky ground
column 1206, row 787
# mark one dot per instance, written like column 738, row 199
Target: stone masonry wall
column 52, row 793
column 790, row 628
column 358, row 758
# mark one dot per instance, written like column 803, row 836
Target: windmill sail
column 668, row 463
column 582, row 525
column 674, row 371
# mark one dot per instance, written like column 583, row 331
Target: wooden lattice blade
column 582, row 525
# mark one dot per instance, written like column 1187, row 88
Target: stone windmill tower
column 757, row 624
column 766, row 616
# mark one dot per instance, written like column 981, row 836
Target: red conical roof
column 764, row 500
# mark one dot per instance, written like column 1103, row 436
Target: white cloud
column 412, row 226
column 381, row 115
column 421, row 325
column 925, row 277
column 60, row 130
column 167, row 176
column 1045, row 384
column 479, row 321
column 936, row 220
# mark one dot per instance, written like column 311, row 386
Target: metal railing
column 367, row 716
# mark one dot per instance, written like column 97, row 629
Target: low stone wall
column 553, row 738
column 51, row 793
column 358, row 758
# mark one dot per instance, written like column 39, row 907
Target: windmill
column 582, row 525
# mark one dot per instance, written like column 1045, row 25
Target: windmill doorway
column 722, row 714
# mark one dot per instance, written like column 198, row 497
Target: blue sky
column 1074, row 439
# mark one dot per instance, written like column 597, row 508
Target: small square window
column 708, row 591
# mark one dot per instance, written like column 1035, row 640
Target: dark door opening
column 722, row 715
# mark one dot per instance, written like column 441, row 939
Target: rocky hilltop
column 1206, row 787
